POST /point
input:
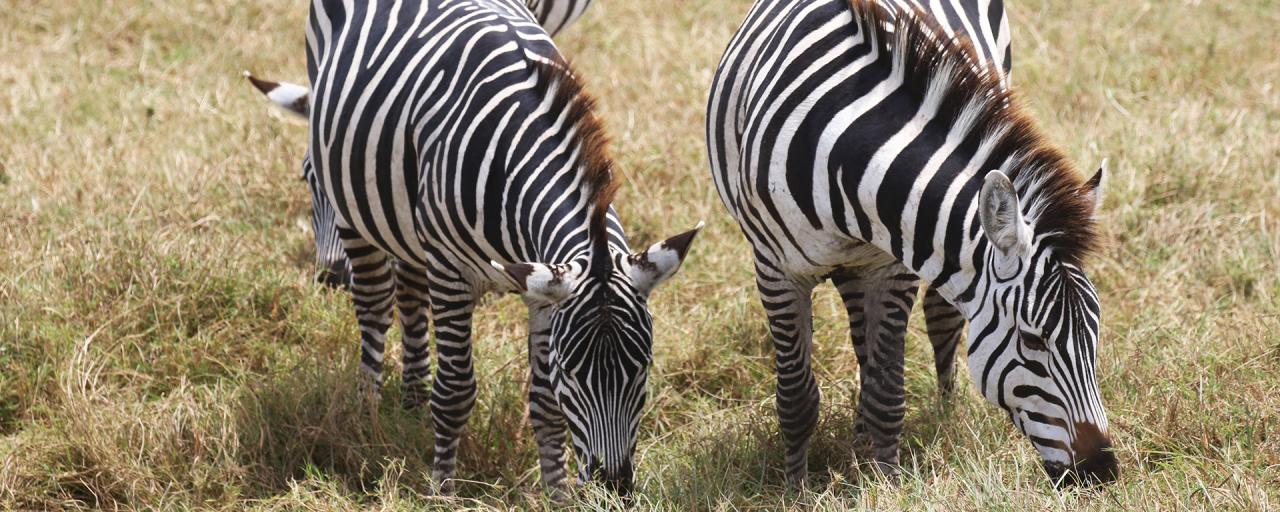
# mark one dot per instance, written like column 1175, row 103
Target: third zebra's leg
column 788, row 303
column 886, row 298
column 372, row 288
column 945, row 325
column 412, row 303
column 549, row 427
column 454, row 391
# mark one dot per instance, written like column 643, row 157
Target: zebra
column 331, row 258
column 335, row 270
column 860, row 142
column 453, row 137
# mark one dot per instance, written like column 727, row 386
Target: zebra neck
column 939, row 236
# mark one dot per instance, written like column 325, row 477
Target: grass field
column 162, row 345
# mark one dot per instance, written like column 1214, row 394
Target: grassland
column 162, row 345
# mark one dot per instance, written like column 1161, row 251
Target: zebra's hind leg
column 412, row 303
column 549, row 427
column 886, row 297
column 945, row 324
column 454, row 391
column 372, row 289
column 788, row 303
column 853, row 293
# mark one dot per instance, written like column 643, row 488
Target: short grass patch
column 162, row 345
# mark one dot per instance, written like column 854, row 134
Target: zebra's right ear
column 539, row 282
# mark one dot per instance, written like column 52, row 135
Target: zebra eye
column 1033, row 342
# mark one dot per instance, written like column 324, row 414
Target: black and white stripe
column 555, row 15
column 873, row 142
column 451, row 138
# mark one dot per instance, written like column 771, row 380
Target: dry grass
column 161, row 345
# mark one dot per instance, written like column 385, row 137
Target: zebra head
column 1033, row 348
column 601, row 346
column 331, row 259
column 334, row 269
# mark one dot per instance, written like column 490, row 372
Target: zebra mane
column 592, row 157
column 948, row 71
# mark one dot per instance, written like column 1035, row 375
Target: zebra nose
column 334, row 275
column 1095, row 461
column 619, row 480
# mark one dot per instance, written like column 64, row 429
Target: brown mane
column 1050, row 188
column 593, row 157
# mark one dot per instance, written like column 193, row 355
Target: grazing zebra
column 452, row 137
column 857, row 141
column 331, row 258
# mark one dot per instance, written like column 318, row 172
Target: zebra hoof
column 558, row 494
column 444, row 485
column 891, row 473
column 797, row 482
column 369, row 390
column 414, row 397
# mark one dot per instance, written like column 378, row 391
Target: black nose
column 1095, row 461
column 619, row 480
column 335, row 276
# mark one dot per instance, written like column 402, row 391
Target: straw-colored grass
column 162, row 345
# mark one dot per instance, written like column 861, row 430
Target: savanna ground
column 162, row 344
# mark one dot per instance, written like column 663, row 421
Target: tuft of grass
column 162, row 345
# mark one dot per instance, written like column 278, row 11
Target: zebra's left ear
column 660, row 261
column 1092, row 189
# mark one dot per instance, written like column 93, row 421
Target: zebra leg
column 372, row 288
column 412, row 301
column 852, row 293
column 886, row 298
column 549, row 427
column 454, row 391
column 789, row 305
column 945, row 324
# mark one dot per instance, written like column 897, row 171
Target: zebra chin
column 1094, row 460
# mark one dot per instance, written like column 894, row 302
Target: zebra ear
column 294, row 98
column 660, row 261
column 539, row 282
column 1092, row 189
column 1000, row 214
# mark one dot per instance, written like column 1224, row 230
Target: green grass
column 162, row 345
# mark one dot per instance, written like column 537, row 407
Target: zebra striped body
column 450, row 137
column 858, row 141
column 335, row 270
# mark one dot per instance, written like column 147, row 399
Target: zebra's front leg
column 547, row 420
column 372, row 290
column 886, row 299
column 945, row 324
column 788, row 304
column 454, row 391
column 412, row 301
